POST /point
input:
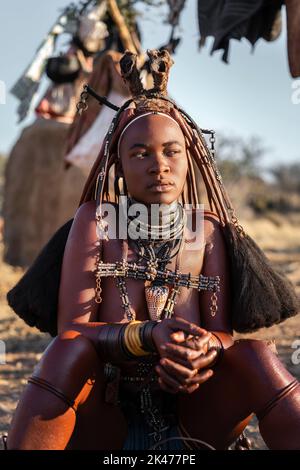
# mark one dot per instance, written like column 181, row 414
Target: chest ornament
column 155, row 245
column 162, row 286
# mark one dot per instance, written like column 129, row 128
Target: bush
column 238, row 158
column 287, row 176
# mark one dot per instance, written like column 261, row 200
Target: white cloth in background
column 85, row 152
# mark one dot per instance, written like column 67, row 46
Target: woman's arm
column 76, row 302
column 77, row 308
column 216, row 263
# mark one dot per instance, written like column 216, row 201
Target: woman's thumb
column 179, row 336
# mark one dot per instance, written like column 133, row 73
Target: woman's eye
column 140, row 154
column 170, row 153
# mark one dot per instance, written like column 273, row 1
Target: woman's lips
column 161, row 186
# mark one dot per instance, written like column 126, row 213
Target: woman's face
column 154, row 160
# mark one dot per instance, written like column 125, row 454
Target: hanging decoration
column 82, row 23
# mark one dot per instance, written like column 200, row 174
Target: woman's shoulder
column 87, row 210
column 208, row 224
column 209, row 215
column 212, row 226
column 83, row 226
column 85, row 219
column 205, row 214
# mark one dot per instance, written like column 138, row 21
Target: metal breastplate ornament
column 155, row 248
column 156, row 294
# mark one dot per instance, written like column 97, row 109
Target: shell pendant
column 156, row 297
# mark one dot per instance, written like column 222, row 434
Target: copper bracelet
column 215, row 344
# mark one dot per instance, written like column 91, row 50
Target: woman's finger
column 206, row 360
column 186, row 390
column 197, row 342
column 165, row 387
column 180, row 336
column 190, row 389
column 181, row 354
column 182, row 351
column 184, row 375
column 192, row 342
column 180, row 324
column 200, row 378
column 177, row 371
column 169, row 380
column 188, row 357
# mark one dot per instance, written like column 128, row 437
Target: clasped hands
column 184, row 355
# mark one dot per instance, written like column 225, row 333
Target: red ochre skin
column 214, row 408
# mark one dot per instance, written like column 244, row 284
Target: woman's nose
column 159, row 164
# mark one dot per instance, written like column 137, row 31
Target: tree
column 238, row 158
column 287, row 176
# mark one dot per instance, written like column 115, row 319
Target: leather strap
column 42, row 383
column 273, row 402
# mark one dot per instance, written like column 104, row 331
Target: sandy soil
column 24, row 345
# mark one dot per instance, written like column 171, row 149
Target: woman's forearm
column 90, row 330
column 118, row 341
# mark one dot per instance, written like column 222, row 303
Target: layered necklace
column 168, row 224
column 155, row 244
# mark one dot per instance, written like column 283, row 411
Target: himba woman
column 145, row 354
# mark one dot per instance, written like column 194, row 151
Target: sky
column 252, row 96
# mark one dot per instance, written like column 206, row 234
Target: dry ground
column 24, row 345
